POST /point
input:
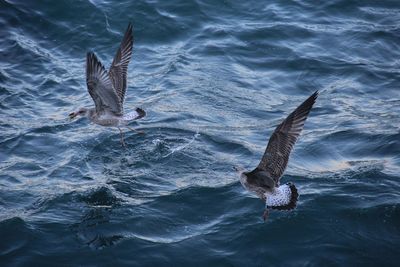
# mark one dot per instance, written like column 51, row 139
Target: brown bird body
column 264, row 180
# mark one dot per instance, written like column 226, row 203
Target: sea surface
column 215, row 78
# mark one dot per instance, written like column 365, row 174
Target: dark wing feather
column 119, row 67
column 280, row 144
column 100, row 87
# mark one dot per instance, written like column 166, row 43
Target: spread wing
column 100, row 87
column 281, row 142
column 119, row 66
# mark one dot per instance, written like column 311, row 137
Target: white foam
column 183, row 146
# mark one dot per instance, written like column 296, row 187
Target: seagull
column 264, row 180
column 108, row 89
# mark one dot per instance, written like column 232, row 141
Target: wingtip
column 129, row 29
column 88, row 60
column 128, row 36
column 91, row 56
column 315, row 95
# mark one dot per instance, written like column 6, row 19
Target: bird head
column 79, row 112
column 240, row 171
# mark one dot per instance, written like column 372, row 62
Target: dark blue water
column 215, row 77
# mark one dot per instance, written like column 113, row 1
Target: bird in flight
column 264, row 180
column 108, row 89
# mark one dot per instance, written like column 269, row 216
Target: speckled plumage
column 283, row 197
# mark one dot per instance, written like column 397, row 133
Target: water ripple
column 215, row 79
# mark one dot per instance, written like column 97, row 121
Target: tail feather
column 134, row 114
column 141, row 113
column 285, row 198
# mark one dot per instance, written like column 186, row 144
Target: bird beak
column 238, row 169
column 72, row 115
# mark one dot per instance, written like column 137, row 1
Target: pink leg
column 265, row 214
column 134, row 130
column 122, row 137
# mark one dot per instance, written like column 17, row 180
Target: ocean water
column 215, row 78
